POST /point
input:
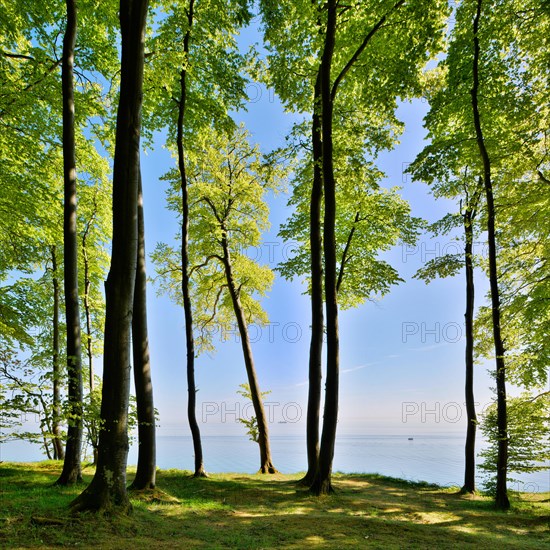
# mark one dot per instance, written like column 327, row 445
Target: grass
column 255, row 511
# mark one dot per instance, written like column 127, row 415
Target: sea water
column 431, row 458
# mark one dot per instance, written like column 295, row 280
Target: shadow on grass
column 238, row 511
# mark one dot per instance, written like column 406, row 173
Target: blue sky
column 402, row 359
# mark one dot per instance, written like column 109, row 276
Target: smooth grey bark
column 317, row 315
column 71, row 465
column 58, row 451
column 501, row 497
column 146, row 467
column 266, row 462
column 322, row 481
column 185, row 270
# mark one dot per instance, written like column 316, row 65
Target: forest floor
column 259, row 511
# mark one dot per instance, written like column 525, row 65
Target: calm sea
column 431, row 458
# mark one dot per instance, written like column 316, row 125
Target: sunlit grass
column 255, row 511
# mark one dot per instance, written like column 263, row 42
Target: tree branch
column 345, row 254
column 362, row 47
column 18, row 56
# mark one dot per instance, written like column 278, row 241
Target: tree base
column 321, row 487
column 102, row 501
column 200, row 473
column 467, row 491
column 502, row 502
column 307, row 480
column 141, row 486
column 67, row 481
column 268, row 468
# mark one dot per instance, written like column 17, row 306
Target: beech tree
column 108, row 487
column 338, row 60
column 195, row 75
column 454, row 177
column 449, row 265
column 490, row 116
column 32, row 112
column 146, row 467
column 59, row 452
column 363, row 232
column 71, row 466
column 228, row 180
column 502, row 457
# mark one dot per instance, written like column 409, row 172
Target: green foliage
column 448, row 265
column 95, row 228
column 31, row 171
column 251, row 424
column 528, row 436
column 514, row 110
column 214, row 68
column 26, row 396
column 388, row 68
column 91, row 416
column 369, row 219
column 228, row 181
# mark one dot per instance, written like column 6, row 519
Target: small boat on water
column 411, row 438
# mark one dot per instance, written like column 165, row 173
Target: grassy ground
column 254, row 511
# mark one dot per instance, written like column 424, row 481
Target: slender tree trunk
column 470, row 447
column 185, row 279
column 146, row 467
column 88, row 312
column 71, row 466
column 47, row 447
column 328, row 89
column 317, row 316
column 107, row 490
column 501, row 497
column 266, row 463
column 58, row 451
column 92, row 426
column 322, row 482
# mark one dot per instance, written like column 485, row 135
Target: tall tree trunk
column 58, row 451
column 87, row 310
column 322, row 482
column 501, row 497
column 187, row 307
column 317, row 316
column 266, row 463
column 470, row 447
column 108, row 487
column 71, row 466
column 146, row 466
column 92, row 424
